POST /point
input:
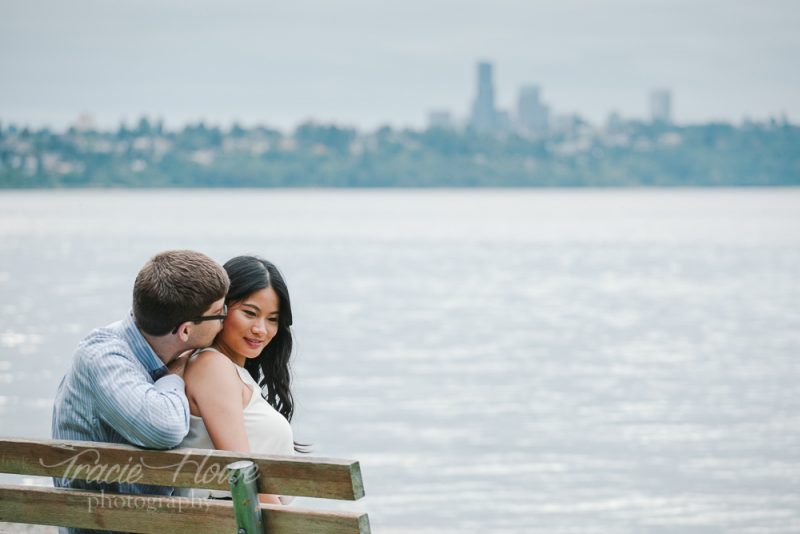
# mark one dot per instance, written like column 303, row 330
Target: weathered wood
column 191, row 468
column 160, row 515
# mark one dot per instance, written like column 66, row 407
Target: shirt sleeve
column 145, row 414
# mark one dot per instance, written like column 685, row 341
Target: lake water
column 498, row 360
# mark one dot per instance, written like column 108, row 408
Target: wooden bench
column 188, row 468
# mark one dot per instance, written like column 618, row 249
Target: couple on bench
column 187, row 367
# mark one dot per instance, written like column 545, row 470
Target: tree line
column 328, row 155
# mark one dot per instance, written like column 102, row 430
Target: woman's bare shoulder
column 210, row 365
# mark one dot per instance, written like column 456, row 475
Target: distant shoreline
column 404, row 188
column 627, row 155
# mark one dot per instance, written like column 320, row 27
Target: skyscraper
column 484, row 114
column 661, row 106
column 532, row 115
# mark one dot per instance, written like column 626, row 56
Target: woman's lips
column 253, row 343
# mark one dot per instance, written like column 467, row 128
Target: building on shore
column 533, row 117
column 661, row 106
column 440, row 119
column 484, row 114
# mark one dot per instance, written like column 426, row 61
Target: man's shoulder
column 102, row 342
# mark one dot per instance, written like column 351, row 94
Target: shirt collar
column 141, row 348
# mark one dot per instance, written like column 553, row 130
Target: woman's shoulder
column 206, row 353
column 206, row 364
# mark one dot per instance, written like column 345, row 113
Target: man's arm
column 148, row 415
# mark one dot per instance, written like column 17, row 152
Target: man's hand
column 178, row 364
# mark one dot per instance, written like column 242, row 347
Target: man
column 125, row 384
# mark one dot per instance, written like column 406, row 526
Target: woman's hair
column 270, row 369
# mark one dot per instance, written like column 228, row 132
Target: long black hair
column 271, row 369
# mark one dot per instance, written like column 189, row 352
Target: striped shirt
column 118, row 391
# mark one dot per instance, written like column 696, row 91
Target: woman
column 224, row 382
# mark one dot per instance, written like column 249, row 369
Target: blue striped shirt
column 118, row 391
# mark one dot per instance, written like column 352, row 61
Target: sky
column 369, row 63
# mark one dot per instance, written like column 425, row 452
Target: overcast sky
column 366, row 63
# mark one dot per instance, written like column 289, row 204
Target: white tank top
column 268, row 432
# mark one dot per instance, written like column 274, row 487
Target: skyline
column 363, row 65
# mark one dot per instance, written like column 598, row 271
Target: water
column 499, row 361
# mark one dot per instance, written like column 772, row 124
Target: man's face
column 203, row 333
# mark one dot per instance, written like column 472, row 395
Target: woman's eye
column 249, row 313
column 273, row 319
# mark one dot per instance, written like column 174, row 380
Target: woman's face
column 251, row 323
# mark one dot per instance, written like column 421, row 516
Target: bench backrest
column 188, row 468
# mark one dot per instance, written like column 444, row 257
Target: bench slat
column 160, row 515
column 191, row 468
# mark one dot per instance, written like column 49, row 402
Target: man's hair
column 175, row 286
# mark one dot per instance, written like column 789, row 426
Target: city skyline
column 354, row 63
column 531, row 115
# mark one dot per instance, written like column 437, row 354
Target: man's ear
column 184, row 331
